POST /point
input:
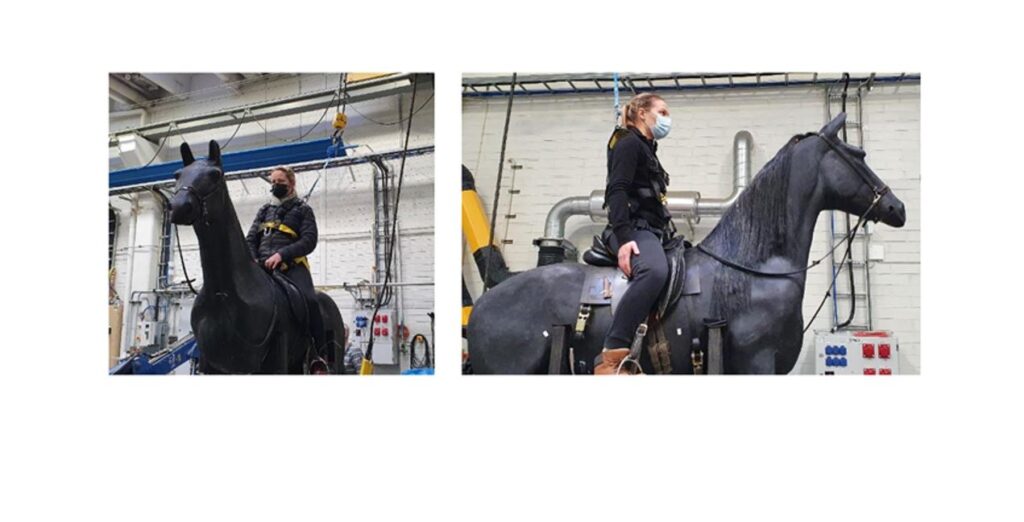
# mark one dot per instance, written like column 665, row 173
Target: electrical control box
column 385, row 349
column 382, row 329
column 866, row 353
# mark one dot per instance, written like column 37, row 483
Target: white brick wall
column 560, row 143
column 343, row 207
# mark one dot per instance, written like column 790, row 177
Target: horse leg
column 276, row 360
column 206, row 368
column 751, row 360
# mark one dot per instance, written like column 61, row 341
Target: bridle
column 204, row 215
column 878, row 191
column 202, row 200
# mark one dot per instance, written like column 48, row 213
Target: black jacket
column 294, row 214
column 636, row 182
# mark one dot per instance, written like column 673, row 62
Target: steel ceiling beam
column 301, row 103
column 301, row 156
column 550, row 84
column 123, row 93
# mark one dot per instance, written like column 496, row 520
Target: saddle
column 297, row 305
column 604, row 283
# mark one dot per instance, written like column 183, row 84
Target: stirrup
column 633, row 357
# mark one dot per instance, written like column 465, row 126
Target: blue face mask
column 661, row 127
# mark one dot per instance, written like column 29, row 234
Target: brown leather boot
column 608, row 362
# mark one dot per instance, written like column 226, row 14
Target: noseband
column 861, row 171
column 203, row 213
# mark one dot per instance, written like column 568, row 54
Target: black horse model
column 767, row 231
column 244, row 319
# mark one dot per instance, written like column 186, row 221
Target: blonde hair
column 288, row 173
column 631, row 111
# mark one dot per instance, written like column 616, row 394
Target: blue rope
column 615, row 89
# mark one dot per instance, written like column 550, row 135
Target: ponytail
column 631, row 111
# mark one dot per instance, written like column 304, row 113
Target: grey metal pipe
column 554, row 225
column 681, row 203
column 741, row 151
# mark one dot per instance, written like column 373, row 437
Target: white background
column 78, row 444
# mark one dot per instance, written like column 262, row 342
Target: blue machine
column 160, row 363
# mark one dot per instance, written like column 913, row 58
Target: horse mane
column 752, row 230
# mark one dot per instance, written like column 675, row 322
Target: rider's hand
column 625, row 251
column 273, row 261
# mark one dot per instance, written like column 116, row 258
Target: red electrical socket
column 384, row 332
column 884, row 351
column 376, row 331
column 869, row 371
column 868, row 350
column 384, row 319
column 885, row 371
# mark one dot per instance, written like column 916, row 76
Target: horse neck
column 227, row 263
column 802, row 201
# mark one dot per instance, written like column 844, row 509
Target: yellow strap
column 279, row 226
column 616, row 134
column 297, row 261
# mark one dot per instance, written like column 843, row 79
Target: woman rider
column 282, row 235
column 639, row 220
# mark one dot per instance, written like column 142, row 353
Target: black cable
column 337, row 96
column 161, row 146
column 240, row 122
column 497, row 185
column 343, row 80
column 177, row 238
column 849, row 245
column 413, row 361
column 394, row 221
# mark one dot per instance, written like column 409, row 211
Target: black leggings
column 650, row 274
column 300, row 275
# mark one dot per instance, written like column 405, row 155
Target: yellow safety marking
column 474, row 221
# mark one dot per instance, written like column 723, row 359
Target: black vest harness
column 648, row 205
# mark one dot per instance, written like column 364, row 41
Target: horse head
column 850, row 185
column 196, row 181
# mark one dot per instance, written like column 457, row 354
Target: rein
column 202, row 214
column 879, row 191
column 816, row 262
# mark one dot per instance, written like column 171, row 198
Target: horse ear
column 214, row 152
column 186, row 154
column 833, row 127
